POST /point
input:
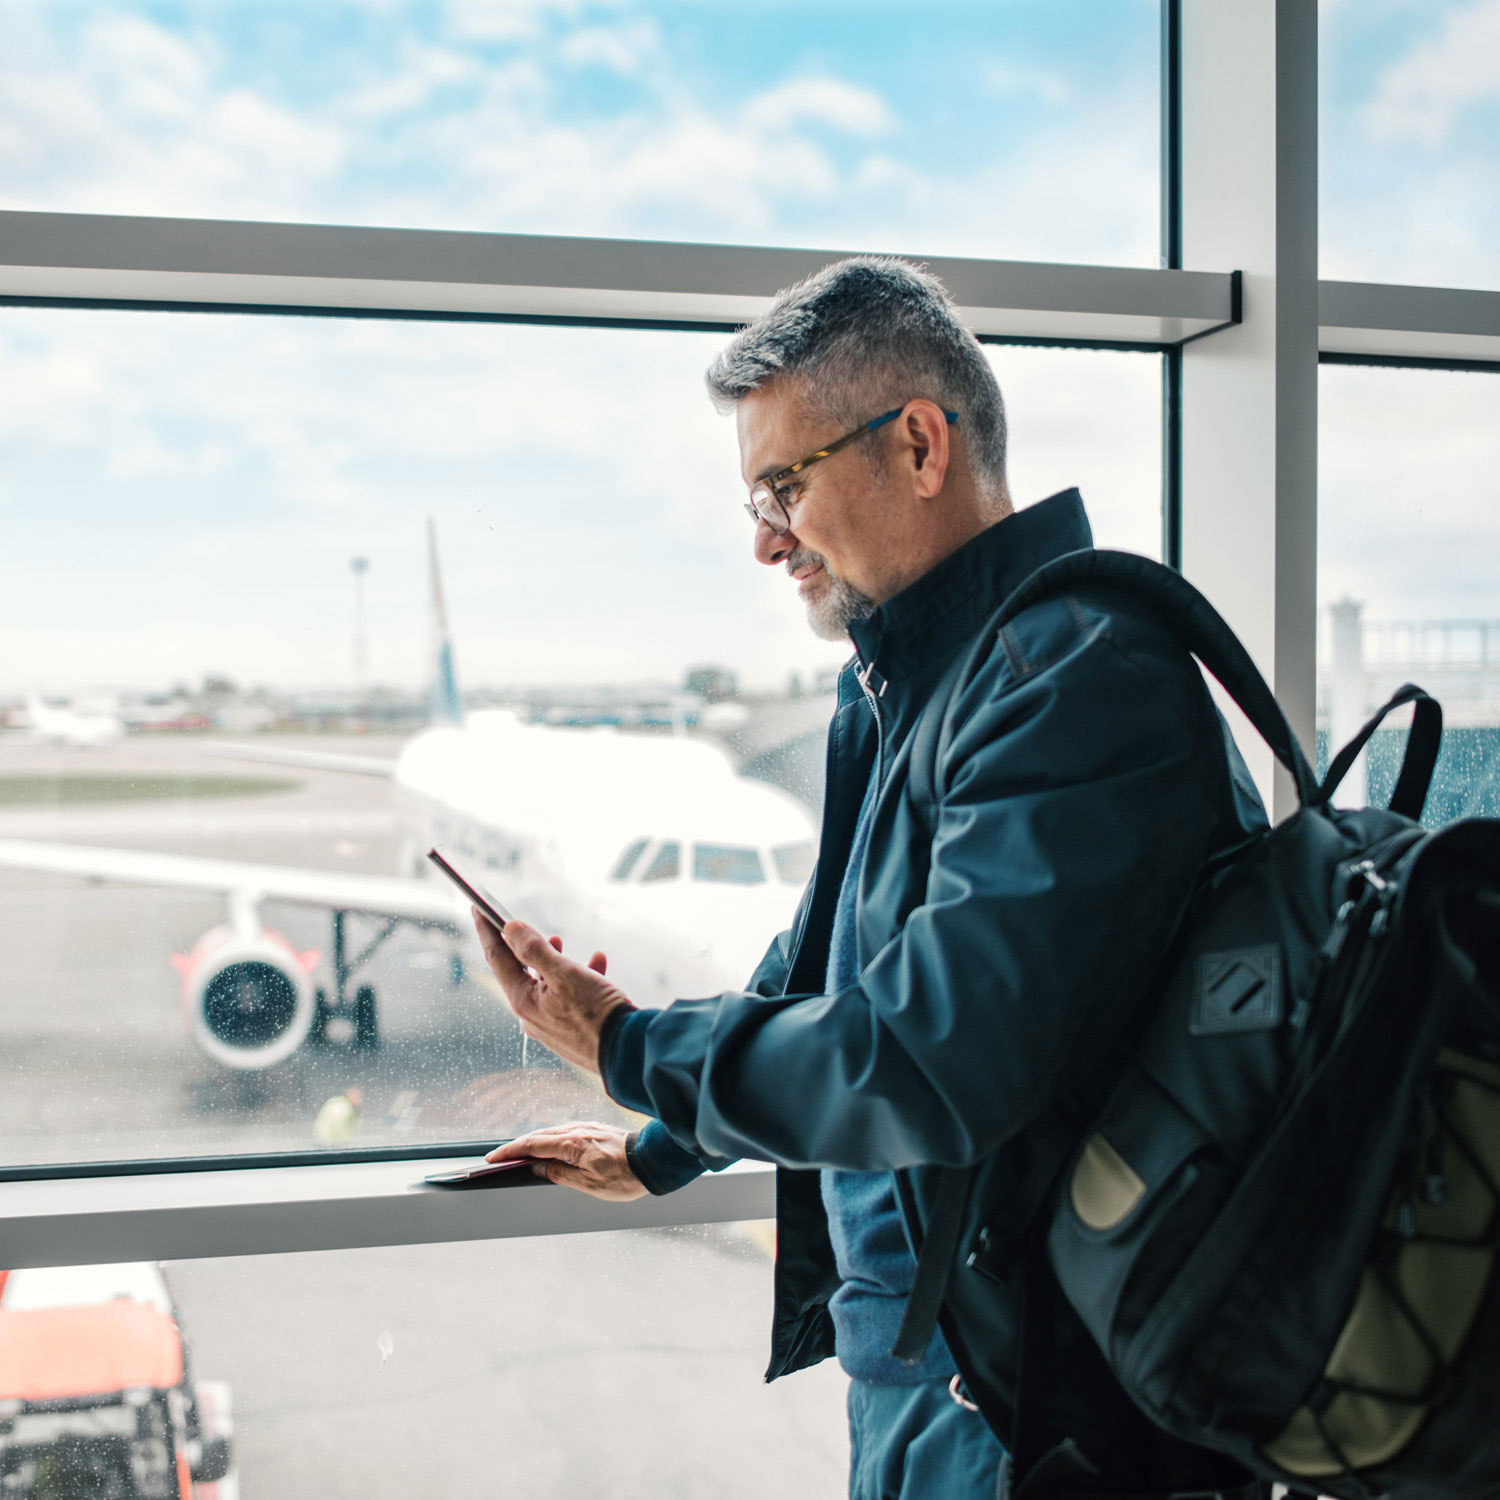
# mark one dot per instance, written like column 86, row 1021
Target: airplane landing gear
column 342, row 1019
column 366, row 1030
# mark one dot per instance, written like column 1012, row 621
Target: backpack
column 1282, row 1229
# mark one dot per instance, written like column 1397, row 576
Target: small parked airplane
column 648, row 847
column 83, row 727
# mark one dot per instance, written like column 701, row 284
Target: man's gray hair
column 864, row 335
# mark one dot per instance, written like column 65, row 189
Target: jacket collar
column 949, row 602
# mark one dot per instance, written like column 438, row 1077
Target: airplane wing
column 311, row 760
column 378, row 895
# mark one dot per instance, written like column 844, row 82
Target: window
column 224, row 593
column 665, row 864
column 626, row 862
column 766, row 124
column 794, row 862
column 1408, row 535
column 1410, row 111
column 725, row 864
column 1089, row 419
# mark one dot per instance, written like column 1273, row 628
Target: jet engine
column 248, row 998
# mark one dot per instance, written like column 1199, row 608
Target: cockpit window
column 666, row 863
column 626, row 862
column 728, row 864
column 794, row 862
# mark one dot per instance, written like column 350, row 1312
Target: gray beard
column 837, row 607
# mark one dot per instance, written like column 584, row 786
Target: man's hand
column 560, row 1004
column 590, row 1158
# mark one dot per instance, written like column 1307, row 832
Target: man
column 1013, row 822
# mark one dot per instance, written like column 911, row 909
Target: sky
column 194, row 486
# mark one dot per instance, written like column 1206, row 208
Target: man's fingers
column 529, row 947
column 598, row 963
column 556, row 942
column 516, row 1150
column 555, row 1143
column 562, row 1174
column 499, row 956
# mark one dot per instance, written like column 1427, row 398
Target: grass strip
column 43, row 790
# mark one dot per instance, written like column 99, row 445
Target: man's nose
column 770, row 548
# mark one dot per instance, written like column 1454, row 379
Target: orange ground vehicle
column 96, row 1400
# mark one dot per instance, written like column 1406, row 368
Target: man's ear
column 923, row 429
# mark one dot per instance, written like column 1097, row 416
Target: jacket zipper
column 873, row 695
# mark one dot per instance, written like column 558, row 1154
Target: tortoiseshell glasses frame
column 770, row 498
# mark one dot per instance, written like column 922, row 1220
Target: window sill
column 264, row 1211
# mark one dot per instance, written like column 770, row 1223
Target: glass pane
column 1408, row 535
column 1410, row 124
column 794, row 863
column 666, row 864
column 727, row 865
column 626, row 863
column 224, row 713
column 1023, row 131
column 562, row 1368
column 1092, row 420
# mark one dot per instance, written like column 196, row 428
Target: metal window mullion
column 1170, row 85
column 1249, row 394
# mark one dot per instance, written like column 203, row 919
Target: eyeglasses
column 771, row 498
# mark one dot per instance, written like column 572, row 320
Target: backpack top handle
column 1195, row 622
column 1417, row 765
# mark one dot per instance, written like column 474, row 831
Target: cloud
column 623, row 49
column 1039, row 83
column 1419, row 98
column 1409, row 486
column 1434, row 227
column 587, row 495
column 131, row 118
column 422, row 72
column 819, row 101
column 496, row 20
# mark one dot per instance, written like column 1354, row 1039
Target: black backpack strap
column 1417, row 765
column 1052, row 1151
column 1195, row 622
column 934, row 1264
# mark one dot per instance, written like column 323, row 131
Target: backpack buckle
column 990, row 1255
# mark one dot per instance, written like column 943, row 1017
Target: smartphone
column 464, row 876
column 485, row 1174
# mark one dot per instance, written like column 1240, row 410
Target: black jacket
column 1024, row 873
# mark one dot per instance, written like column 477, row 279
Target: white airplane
column 650, row 848
column 83, row 727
